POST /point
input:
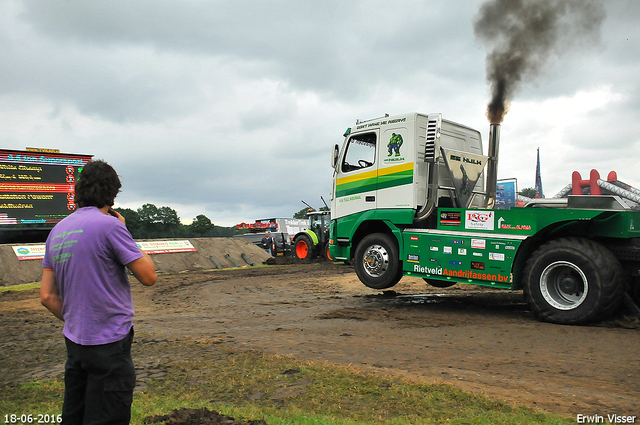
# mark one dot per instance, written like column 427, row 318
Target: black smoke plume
column 522, row 36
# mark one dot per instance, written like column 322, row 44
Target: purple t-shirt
column 87, row 252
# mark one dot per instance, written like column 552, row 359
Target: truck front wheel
column 377, row 261
column 572, row 281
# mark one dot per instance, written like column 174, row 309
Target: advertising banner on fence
column 166, row 247
column 36, row 252
column 29, row 252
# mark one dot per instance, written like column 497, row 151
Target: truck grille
column 430, row 142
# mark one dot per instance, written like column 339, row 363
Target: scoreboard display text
column 38, row 187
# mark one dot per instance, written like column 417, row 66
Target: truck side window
column 361, row 152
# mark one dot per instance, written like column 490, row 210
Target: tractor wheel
column 326, row 252
column 376, row 261
column 439, row 283
column 304, row 248
column 573, row 281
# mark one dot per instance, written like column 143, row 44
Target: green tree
column 149, row 221
column 148, row 214
column 160, row 222
column 201, row 225
column 302, row 213
column 168, row 216
column 529, row 192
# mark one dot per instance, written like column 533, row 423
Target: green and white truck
column 409, row 198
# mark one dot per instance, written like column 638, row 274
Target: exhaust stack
column 492, row 166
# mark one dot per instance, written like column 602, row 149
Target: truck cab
column 393, row 172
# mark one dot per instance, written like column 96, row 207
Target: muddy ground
column 478, row 339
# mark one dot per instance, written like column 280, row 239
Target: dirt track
column 477, row 339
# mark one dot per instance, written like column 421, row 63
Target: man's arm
column 143, row 269
column 49, row 294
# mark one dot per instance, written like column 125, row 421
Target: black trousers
column 98, row 383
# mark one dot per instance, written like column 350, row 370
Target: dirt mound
column 199, row 416
column 211, row 253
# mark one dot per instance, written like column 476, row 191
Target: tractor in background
column 313, row 241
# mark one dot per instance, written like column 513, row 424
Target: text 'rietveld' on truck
column 409, row 198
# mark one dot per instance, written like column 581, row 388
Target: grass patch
column 32, row 398
column 22, row 287
column 282, row 390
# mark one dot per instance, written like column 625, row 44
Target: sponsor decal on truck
column 466, row 274
column 479, row 220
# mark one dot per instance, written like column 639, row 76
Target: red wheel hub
column 302, row 250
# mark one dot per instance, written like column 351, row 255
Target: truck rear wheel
column 377, row 262
column 304, row 248
column 573, row 281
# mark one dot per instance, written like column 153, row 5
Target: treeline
column 152, row 222
column 303, row 212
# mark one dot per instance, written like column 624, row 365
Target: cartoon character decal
column 394, row 144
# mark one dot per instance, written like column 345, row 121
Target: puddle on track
column 508, row 300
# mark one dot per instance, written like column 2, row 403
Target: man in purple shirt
column 85, row 284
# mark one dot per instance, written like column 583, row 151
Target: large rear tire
column 377, row 262
column 304, row 248
column 573, row 281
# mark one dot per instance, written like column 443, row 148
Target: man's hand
column 117, row 215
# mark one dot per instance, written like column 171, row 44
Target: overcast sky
column 230, row 108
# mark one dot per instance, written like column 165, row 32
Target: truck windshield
column 314, row 223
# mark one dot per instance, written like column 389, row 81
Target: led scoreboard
column 37, row 185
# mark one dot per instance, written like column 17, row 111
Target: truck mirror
column 335, row 155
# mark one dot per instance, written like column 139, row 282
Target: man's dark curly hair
column 97, row 185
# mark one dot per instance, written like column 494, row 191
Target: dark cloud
column 334, row 47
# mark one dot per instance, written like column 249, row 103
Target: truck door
column 395, row 168
column 357, row 178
